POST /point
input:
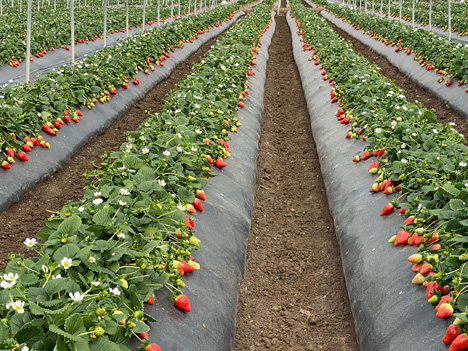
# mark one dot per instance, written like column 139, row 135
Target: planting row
column 431, row 51
column 420, row 160
column 52, row 100
column 103, row 256
column 51, row 28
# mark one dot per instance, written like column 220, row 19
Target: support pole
column 126, row 15
column 72, row 30
column 28, row 41
column 430, row 15
column 105, row 23
column 144, row 15
column 449, row 21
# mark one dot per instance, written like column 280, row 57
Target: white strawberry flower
column 7, row 285
column 161, row 182
column 10, row 277
column 124, row 191
column 378, row 130
column 122, row 203
column 76, row 296
column 58, row 276
column 97, row 193
column 30, row 242
column 114, row 291
column 96, row 283
column 166, row 153
column 91, row 259
column 462, row 164
column 97, row 201
column 66, row 262
column 18, row 306
column 145, row 150
column 121, row 236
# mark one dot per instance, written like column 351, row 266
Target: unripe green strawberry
column 194, row 240
column 99, row 331
column 415, row 258
column 418, row 279
column 100, row 312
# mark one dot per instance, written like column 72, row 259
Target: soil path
column 293, row 296
column 26, row 217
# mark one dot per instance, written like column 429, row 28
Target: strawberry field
column 141, row 240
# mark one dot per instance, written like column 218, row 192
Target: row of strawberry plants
column 422, row 161
column 28, row 108
column 431, row 51
column 104, row 255
column 88, row 27
column 459, row 11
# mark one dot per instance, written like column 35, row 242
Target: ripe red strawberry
column 219, row 163
column 181, row 302
column 79, row 113
column 209, row 159
column 366, row 155
column 10, row 152
column 26, row 148
column 460, row 343
column 387, row 209
column 186, row 267
column 22, row 156
column 153, row 347
column 125, row 85
column 188, row 223
column 113, row 91
column 150, row 300
column 425, row 268
column 339, row 112
column 452, row 332
column 241, row 104
column 200, row 194
column 409, row 220
column 435, row 237
column 6, row 165
column 143, row 335
column 206, row 141
column 402, row 238
column 46, row 128
column 76, row 119
column 136, row 81
column 198, row 205
column 57, row 125
column 356, row 158
column 444, row 299
column 445, row 311
column 190, row 208
column 67, row 119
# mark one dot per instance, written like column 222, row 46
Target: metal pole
column 159, row 23
column 189, row 3
column 381, row 6
column 373, row 5
column 449, row 21
column 201, row 4
column 72, row 30
column 105, row 23
column 144, row 15
column 38, row 3
column 389, row 8
column 21, row 6
column 365, row 5
column 1, row 7
column 412, row 18
column 430, row 15
column 400, row 6
column 172, row 8
column 28, row 41
column 126, row 15
column 179, row 9
column 279, row 4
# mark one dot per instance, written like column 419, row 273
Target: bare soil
column 293, row 296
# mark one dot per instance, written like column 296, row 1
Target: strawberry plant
column 431, row 51
column 28, row 108
column 421, row 160
column 100, row 258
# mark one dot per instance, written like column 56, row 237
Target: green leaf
column 457, row 204
column 141, row 327
column 431, row 117
column 29, row 334
column 74, row 324
column 102, row 217
column 4, row 331
column 133, row 162
column 44, row 233
column 186, row 195
column 104, row 344
column 70, row 225
column 449, row 189
column 68, row 251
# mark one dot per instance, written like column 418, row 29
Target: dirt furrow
column 26, row 217
column 293, row 296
